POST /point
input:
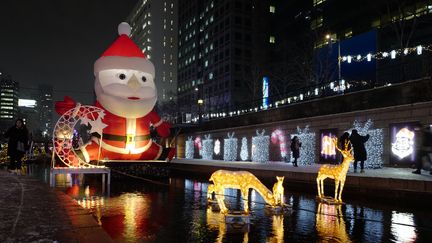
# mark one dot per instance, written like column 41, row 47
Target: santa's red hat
column 124, row 54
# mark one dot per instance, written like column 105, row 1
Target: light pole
column 200, row 103
column 330, row 39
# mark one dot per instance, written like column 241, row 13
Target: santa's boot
column 167, row 154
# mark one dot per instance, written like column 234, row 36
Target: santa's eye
column 121, row 76
column 143, row 78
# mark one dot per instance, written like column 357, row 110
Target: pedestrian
column 17, row 145
column 295, row 149
column 360, row 153
column 424, row 148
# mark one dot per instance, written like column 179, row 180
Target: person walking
column 424, row 137
column 360, row 153
column 295, row 149
column 17, row 145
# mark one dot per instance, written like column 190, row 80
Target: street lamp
column 200, row 103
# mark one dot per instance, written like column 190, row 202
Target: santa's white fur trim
column 123, row 150
column 117, row 62
column 158, row 123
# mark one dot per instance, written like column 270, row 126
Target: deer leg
column 245, row 195
column 322, row 188
column 336, row 189
column 341, row 189
column 318, row 186
column 219, row 191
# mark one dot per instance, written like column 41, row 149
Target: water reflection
column 330, row 223
column 144, row 212
column 216, row 221
column 277, row 229
column 402, row 227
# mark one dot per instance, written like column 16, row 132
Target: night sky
column 57, row 41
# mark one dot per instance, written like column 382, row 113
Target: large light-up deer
column 244, row 181
column 336, row 172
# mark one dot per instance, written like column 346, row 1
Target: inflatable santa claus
column 126, row 91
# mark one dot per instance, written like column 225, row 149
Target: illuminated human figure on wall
column 360, row 153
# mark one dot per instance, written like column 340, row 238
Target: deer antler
column 335, row 141
column 347, row 143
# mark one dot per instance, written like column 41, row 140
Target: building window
column 318, row 2
column 210, row 76
column 316, row 23
column 272, row 9
column 272, row 39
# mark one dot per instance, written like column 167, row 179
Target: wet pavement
column 33, row 212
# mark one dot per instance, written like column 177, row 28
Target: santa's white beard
column 124, row 107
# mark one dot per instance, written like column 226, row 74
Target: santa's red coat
column 127, row 139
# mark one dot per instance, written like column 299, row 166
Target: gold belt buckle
column 130, row 138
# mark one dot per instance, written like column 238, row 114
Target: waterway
column 176, row 210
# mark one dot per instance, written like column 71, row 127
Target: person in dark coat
column 295, row 149
column 17, row 145
column 360, row 154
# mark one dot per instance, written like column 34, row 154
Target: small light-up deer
column 336, row 172
column 244, row 181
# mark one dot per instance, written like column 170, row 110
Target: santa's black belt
column 126, row 139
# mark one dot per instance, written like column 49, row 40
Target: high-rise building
column 215, row 62
column 45, row 106
column 154, row 30
column 8, row 100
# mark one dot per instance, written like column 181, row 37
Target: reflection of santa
column 126, row 91
column 403, row 146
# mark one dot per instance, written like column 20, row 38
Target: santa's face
column 125, row 92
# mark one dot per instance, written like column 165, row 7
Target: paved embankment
column 384, row 182
column 31, row 211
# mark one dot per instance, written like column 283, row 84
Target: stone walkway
column 31, row 211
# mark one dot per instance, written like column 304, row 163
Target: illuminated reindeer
column 244, row 181
column 336, row 172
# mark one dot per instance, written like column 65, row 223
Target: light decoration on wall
column 374, row 146
column 328, row 148
column 404, row 143
column 260, row 147
column 230, row 148
column 207, row 148
column 244, row 181
column 217, row 147
column 385, row 54
column 198, row 144
column 278, row 137
column 307, row 150
column 244, row 153
column 190, row 148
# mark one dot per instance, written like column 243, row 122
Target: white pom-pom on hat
column 124, row 29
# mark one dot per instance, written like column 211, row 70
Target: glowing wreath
column 64, row 131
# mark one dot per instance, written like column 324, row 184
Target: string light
column 244, row 154
column 307, row 150
column 207, row 147
column 381, row 55
column 230, row 148
column 260, row 147
column 189, row 153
